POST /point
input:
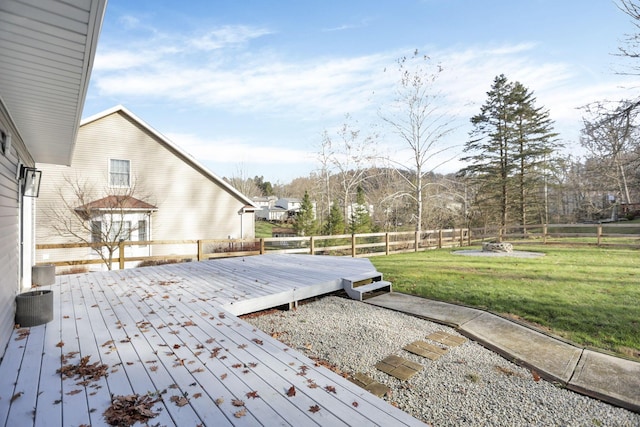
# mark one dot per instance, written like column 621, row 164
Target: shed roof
column 118, row 202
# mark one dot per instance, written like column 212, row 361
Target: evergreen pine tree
column 360, row 221
column 305, row 223
column 509, row 148
column 335, row 221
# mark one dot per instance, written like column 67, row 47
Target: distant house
column 47, row 52
column 289, row 204
column 267, row 209
column 283, row 209
column 173, row 196
column 272, row 214
column 264, row 201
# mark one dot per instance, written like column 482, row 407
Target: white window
column 96, row 231
column 120, row 230
column 142, row 231
column 119, row 173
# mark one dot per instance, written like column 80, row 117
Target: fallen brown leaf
column 536, row 376
column 130, row 409
column 313, row 409
column 180, row 401
column 291, row 392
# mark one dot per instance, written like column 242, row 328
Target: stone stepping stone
column 398, row 367
column 447, row 339
column 424, row 349
column 369, row 384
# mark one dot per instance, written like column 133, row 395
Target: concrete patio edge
column 608, row 378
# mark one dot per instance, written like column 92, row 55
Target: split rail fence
column 364, row 245
column 354, row 245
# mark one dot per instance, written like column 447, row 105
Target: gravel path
column 469, row 385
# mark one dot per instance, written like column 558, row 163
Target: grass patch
column 263, row 229
column 588, row 295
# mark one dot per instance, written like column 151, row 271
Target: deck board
column 50, row 385
column 173, row 329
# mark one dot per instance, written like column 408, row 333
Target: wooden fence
column 354, row 245
column 600, row 234
column 372, row 244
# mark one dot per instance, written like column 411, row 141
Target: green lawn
column 588, row 295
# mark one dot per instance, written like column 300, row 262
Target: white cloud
column 219, row 69
column 235, row 151
column 225, row 36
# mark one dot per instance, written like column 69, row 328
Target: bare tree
column 99, row 217
column 348, row 156
column 242, row 182
column 420, row 121
column 609, row 134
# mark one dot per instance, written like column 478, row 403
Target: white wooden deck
column 174, row 329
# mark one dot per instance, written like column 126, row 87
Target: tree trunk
column 419, row 200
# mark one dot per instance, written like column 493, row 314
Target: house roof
column 118, row 202
column 120, row 109
column 47, row 49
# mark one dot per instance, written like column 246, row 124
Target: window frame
column 96, row 231
column 123, row 227
column 142, row 230
column 118, row 181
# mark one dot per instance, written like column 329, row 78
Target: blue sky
column 248, row 87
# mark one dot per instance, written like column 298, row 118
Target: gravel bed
column 469, row 385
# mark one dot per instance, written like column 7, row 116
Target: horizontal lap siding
column 191, row 205
column 9, row 246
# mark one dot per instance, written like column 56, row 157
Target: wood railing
column 365, row 245
column 354, row 245
column 600, row 234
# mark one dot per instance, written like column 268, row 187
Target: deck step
column 357, row 285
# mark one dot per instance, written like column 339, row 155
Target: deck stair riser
column 357, row 285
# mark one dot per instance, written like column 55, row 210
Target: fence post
column 262, row 246
column 468, row 236
column 461, row 237
column 312, row 245
column 440, row 239
column 353, row 245
column 121, row 254
column 200, row 250
column 544, row 233
column 599, row 234
column 386, row 243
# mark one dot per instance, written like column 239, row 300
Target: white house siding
column 191, row 205
column 9, row 246
column 10, row 274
